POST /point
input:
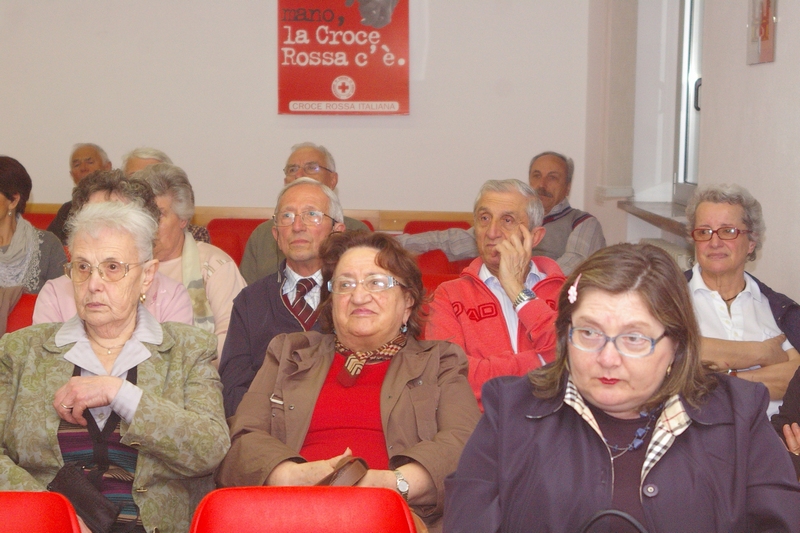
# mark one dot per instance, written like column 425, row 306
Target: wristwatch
column 402, row 485
column 524, row 295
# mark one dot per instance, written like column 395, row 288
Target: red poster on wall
column 343, row 57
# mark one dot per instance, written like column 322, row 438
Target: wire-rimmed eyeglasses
column 373, row 283
column 80, row 271
column 309, row 218
column 311, row 167
column 633, row 345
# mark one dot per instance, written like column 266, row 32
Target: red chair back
column 303, row 510
column 231, row 234
column 37, row 512
column 421, row 226
column 22, row 314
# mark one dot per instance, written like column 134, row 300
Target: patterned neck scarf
column 192, row 275
column 355, row 361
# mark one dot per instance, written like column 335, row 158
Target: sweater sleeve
column 223, row 283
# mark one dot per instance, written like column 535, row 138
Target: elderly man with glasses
column 262, row 256
column 287, row 300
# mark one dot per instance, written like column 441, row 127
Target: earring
column 403, row 328
column 142, row 297
column 669, row 369
column 10, row 213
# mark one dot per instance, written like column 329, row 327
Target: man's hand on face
column 515, row 261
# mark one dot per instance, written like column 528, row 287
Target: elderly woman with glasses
column 748, row 329
column 134, row 405
column 367, row 387
column 626, row 422
column 208, row 273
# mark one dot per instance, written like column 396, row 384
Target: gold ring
column 67, row 407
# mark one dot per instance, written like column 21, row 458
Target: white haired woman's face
column 104, row 304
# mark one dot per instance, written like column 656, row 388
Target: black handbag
column 98, row 512
column 81, row 485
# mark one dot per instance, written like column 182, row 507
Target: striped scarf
column 355, row 361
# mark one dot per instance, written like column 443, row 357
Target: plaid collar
column 673, row 421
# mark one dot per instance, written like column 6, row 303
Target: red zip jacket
column 464, row 311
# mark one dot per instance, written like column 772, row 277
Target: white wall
column 750, row 129
column 493, row 83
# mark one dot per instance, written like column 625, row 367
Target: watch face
column 402, row 485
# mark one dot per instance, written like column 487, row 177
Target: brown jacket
column 428, row 410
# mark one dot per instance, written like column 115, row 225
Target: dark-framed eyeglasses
column 372, row 283
column 311, row 167
column 725, row 233
column 309, row 218
column 632, row 345
column 80, row 271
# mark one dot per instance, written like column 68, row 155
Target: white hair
column 115, row 216
column 534, row 209
column 145, row 152
column 334, row 206
column 100, row 151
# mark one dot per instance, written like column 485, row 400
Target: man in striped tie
column 307, row 212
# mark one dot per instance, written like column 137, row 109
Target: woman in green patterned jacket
column 113, row 378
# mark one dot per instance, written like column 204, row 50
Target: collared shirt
column 289, row 287
column 509, row 311
column 673, row 421
column 133, row 352
column 750, row 318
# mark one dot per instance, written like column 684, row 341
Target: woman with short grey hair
column 133, row 405
column 188, row 261
column 748, row 329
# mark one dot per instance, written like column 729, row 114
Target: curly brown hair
column 115, row 182
column 391, row 257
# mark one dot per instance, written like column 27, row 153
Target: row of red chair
column 240, row 509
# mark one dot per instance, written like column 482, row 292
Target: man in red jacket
column 502, row 309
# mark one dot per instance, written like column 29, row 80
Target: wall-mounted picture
column 761, row 32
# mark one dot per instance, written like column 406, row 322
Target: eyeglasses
column 726, row 233
column 373, row 283
column 309, row 168
column 80, row 271
column 628, row 344
column 309, row 218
